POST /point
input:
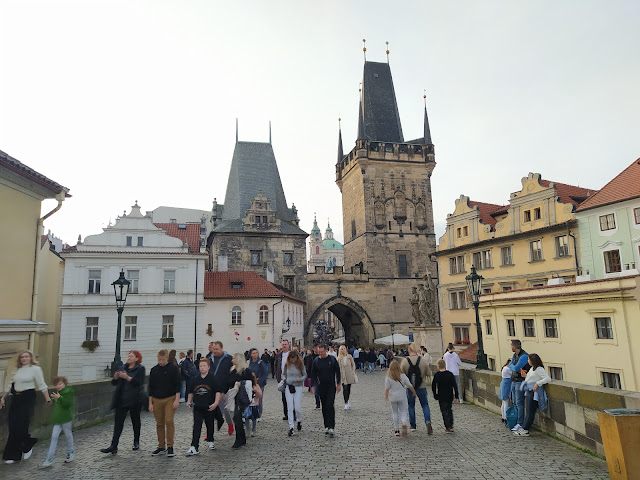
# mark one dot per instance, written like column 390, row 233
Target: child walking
column 61, row 417
column 252, row 413
column 505, row 390
column 445, row 387
column 395, row 385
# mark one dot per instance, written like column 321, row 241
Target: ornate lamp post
column 393, row 340
column 121, row 289
column 474, row 284
column 288, row 322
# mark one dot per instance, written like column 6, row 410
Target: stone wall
column 92, row 403
column 573, row 409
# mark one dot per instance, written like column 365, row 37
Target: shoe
column 220, row 423
column 503, row 420
column 404, row 430
column 521, row 433
column 70, row 457
column 299, row 426
column 111, row 450
column 326, row 431
column 290, row 432
column 516, row 428
column 192, row 451
column 27, row 455
column 253, row 433
column 182, row 400
column 285, row 418
column 212, row 446
column 159, row 451
column 258, row 419
column 413, row 430
column 331, row 432
column 346, row 407
column 429, row 428
column 47, row 463
column 446, row 430
column 170, row 452
column 230, row 429
column 238, row 445
column 317, row 405
column 136, row 446
column 9, row 462
column 397, row 433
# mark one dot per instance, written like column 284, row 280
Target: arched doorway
column 358, row 328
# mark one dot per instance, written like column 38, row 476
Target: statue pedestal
column 430, row 337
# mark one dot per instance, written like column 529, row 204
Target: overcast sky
column 137, row 100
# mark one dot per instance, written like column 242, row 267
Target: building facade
column 163, row 309
column 324, row 252
column 530, row 242
column 244, row 311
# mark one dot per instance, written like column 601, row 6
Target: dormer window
column 182, row 226
column 236, row 285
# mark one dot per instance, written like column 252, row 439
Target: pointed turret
column 427, row 133
column 315, row 231
column 340, row 152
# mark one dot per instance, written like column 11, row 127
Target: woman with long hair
column 534, row 393
column 26, row 379
column 172, row 357
column 294, row 376
column 127, row 398
column 395, row 386
column 240, row 373
column 347, row 374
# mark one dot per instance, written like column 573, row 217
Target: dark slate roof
column 254, row 169
column 378, row 119
column 19, row 168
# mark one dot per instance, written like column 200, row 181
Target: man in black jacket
column 325, row 374
column 221, row 370
column 164, row 398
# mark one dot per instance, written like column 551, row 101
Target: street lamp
column 474, row 284
column 121, row 289
column 288, row 322
column 393, row 340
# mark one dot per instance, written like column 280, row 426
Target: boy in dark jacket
column 444, row 389
column 61, row 417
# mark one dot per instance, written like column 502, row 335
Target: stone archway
column 357, row 325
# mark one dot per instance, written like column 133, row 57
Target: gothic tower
column 385, row 183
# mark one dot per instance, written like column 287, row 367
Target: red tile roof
column 16, row 166
column 570, row 193
column 190, row 234
column 485, row 210
column 625, row 186
column 469, row 354
column 218, row 285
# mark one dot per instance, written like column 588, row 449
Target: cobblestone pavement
column 364, row 448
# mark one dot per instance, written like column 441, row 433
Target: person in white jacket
column 453, row 362
column 536, row 376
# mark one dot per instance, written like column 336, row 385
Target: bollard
column 620, row 431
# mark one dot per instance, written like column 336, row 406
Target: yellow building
column 529, row 242
column 24, row 294
column 582, row 331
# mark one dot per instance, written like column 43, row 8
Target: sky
column 137, row 100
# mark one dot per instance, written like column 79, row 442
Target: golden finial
column 364, row 48
column 387, row 51
column 360, row 87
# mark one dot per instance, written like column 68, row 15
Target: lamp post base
column 115, row 366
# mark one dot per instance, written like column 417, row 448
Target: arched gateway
column 357, row 325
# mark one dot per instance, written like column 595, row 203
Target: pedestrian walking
column 251, row 414
column 445, row 389
column 347, row 374
column 26, row 379
column 396, row 385
column 372, row 358
column 417, row 371
column 382, row 360
column 238, row 376
column 519, row 367
column 281, row 360
column 535, row 396
column 453, row 365
column 325, row 373
column 61, row 419
column 294, row 376
column 164, row 399
column 128, row 397
column 261, row 371
column 203, row 398
column 356, row 357
column 188, row 370
column 220, row 367
column 505, row 390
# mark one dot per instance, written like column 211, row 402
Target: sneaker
column 429, row 428
column 285, row 418
column 182, row 400
column 346, row 406
column 413, row 430
column 47, row 463
column 70, row 457
column 9, row 462
column 259, row 419
column 446, row 430
column 299, row 426
column 397, row 433
column 27, row 455
column 231, row 429
column 159, row 451
column 317, row 406
column 331, row 432
column 170, row 452
column 516, row 428
column 211, row 446
column 253, row 433
column 521, row 433
column 192, row 451
column 290, row 432
column 326, row 431
column 404, row 430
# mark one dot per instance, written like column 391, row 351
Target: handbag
column 307, row 382
column 282, row 386
column 355, row 377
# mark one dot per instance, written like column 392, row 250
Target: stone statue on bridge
column 415, row 306
column 424, row 303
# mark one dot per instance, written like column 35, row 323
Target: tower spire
column 387, row 52
column 340, row 152
column 364, row 48
column 236, row 130
column 427, row 132
column 269, row 132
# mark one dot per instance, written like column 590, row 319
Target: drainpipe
column 34, row 290
column 575, row 250
column 273, row 323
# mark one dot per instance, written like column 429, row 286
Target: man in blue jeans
column 417, row 370
column 519, row 361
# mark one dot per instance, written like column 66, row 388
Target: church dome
column 331, row 244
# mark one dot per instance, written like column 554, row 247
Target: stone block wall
column 572, row 414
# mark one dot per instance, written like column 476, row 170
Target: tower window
column 389, row 224
column 353, row 229
column 317, row 250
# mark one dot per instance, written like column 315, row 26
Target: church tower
column 385, row 183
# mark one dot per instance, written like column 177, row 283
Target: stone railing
column 573, row 409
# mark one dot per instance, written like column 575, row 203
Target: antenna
column 387, row 52
column 364, row 48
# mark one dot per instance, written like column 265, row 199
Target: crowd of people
column 222, row 388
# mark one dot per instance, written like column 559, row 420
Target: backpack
column 512, row 417
column 242, row 397
column 414, row 373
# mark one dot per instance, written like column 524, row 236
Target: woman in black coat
column 127, row 397
column 239, row 373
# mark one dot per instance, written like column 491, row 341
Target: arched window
column 236, row 315
column 317, row 250
column 264, row 315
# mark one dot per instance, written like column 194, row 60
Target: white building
column 327, row 252
column 243, row 310
column 163, row 309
